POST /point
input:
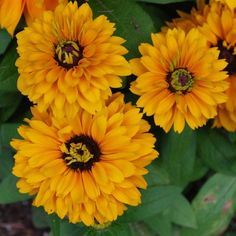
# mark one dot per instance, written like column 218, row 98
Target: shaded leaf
column 178, row 153
column 9, row 193
column 5, row 39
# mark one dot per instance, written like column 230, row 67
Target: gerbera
column 11, row 11
column 220, row 31
column 179, row 79
column 68, row 60
column 87, row 168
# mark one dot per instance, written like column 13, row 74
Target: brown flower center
column 80, row 152
column 68, row 54
column 180, row 81
column 227, row 53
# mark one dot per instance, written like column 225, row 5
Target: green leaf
column 6, row 160
column 154, row 200
column 9, row 193
column 217, row 151
column 40, row 218
column 8, row 70
column 164, row 1
column 54, row 222
column 178, row 153
column 213, row 206
column 200, row 169
column 8, row 131
column 133, row 23
column 160, row 224
column 5, row 39
column 182, row 213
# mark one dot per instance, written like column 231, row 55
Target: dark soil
column 16, row 220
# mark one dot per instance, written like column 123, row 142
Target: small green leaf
column 40, row 218
column 9, row 193
column 213, row 206
column 6, row 160
column 5, row 39
column 178, row 153
column 154, row 200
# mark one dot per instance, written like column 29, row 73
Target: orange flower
column 11, row 11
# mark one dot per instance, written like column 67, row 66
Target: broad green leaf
column 160, row 224
column 8, row 70
column 182, row 213
column 178, row 153
column 133, row 23
column 5, row 40
column 154, row 200
column 9, row 193
column 157, row 175
column 232, row 136
column 213, row 206
column 40, row 217
column 200, row 169
column 8, row 131
column 55, row 224
column 217, row 151
column 164, row 1
column 6, row 160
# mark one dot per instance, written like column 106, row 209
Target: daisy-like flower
column 11, row 11
column 68, row 60
column 179, row 79
column 87, row 168
column 220, row 31
column 230, row 3
column 187, row 21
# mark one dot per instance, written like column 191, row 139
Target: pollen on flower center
column 180, row 81
column 68, row 54
column 80, row 152
column 227, row 53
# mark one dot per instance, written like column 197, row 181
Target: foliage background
column 191, row 187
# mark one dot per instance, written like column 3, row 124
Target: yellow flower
column 220, row 31
column 87, row 168
column 230, row 3
column 68, row 60
column 179, row 79
column 11, row 11
column 187, row 21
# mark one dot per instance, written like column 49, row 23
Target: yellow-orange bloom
column 68, row 60
column 11, row 11
column 187, row 21
column 87, row 168
column 220, row 31
column 179, row 79
column 230, row 3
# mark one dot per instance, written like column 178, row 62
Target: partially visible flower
column 220, row 31
column 68, row 60
column 230, row 3
column 179, row 79
column 11, row 11
column 87, row 168
column 187, row 21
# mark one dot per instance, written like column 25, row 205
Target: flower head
column 68, row 60
column 219, row 30
column 11, row 11
column 179, row 79
column 87, row 168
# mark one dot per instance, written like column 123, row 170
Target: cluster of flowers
column 85, row 150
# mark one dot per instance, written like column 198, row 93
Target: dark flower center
column 80, row 152
column 68, row 54
column 180, row 81
column 227, row 53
